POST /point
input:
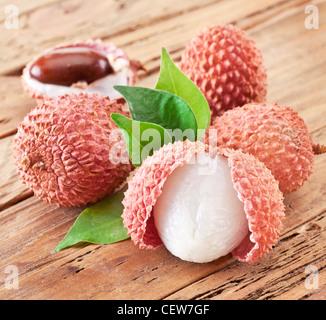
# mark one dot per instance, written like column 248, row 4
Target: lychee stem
column 137, row 65
column 318, row 148
column 33, row 161
column 26, row 162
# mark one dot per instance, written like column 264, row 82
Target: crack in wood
column 80, row 257
column 153, row 279
column 16, row 200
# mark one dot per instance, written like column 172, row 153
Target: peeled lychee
column 199, row 216
column 81, row 67
column 202, row 204
column 70, row 152
column 275, row 134
column 227, row 67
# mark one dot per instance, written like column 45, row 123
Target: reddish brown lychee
column 70, row 152
column 227, row 66
column 204, row 203
column 275, row 134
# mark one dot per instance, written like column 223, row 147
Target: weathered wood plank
column 144, row 29
column 294, row 62
column 23, row 7
column 172, row 34
column 12, row 189
column 60, row 21
column 14, row 105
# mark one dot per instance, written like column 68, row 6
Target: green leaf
column 171, row 79
column 100, row 224
column 142, row 138
column 160, row 107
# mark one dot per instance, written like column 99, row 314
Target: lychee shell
column 275, row 134
column 227, row 67
column 255, row 185
column 68, row 150
column 98, row 45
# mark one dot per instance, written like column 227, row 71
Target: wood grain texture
column 12, row 189
column 14, row 105
column 30, row 229
column 141, row 27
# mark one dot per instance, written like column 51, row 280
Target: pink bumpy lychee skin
column 70, row 152
column 227, row 66
column 275, row 134
column 254, row 183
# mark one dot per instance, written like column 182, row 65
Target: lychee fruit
column 275, row 134
column 81, row 67
column 70, row 152
column 227, row 67
column 202, row 204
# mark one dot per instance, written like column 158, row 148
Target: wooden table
column 30, row 229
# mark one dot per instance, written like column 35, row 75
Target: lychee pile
column 201, row 201
column 227, row 66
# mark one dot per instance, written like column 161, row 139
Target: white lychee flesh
column 199, row 216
